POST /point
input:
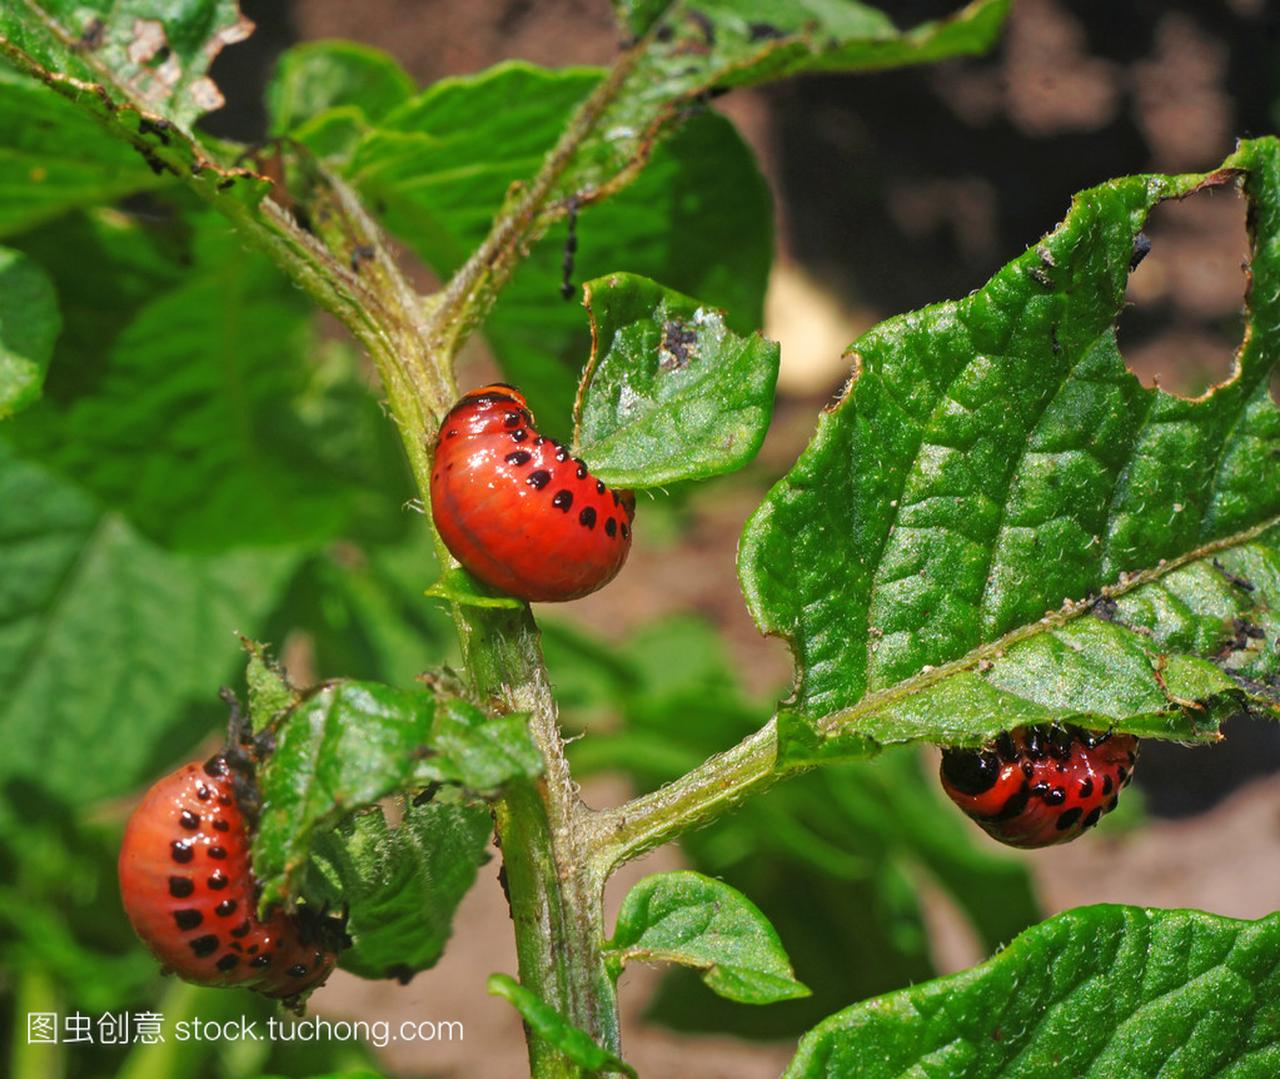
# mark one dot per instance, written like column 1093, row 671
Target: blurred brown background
column 893, row 191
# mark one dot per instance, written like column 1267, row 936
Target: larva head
column 1037, row 786
column 189, row 892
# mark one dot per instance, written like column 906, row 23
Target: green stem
column 696, row 798
column 36, row 992
column 554, row 890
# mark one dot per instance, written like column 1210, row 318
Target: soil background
column 891, row 191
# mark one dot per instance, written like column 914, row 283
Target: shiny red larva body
column 1036, row 786
column 189, row 891
column 516, row 510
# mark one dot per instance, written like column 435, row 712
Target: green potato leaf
column 400, row 885
column 697, row 921
column 349, row 744
column 670, row 393
column 1094, row 992
column 109, row 640
column 998, row 525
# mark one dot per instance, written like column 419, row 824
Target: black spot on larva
column 1069, row 818
column 562, row 452
column 260, row 961
column 970, row 771
column 1060, row 743
column 226, row 908
column 1015, row 804
column 242, row 930
column 1005, row 748
column 297, row 970
column 615, row 497
column 587, row 518
column 206, row 945
column 519, row 457
column 451, row 433
column 1028, row 769
column 563, row 500
column 1121, row 775
column 203, row 793
column 599, row 487
column 1056, row 796
column 228, row 962
column 317, row 960
column 1040, row 789
column 625, row 530
column 538, row 479
column 180, row 850
column 511, row 419
column 1107, row 785
column 611, row 528
column 224, row 799
column 519, row 434
column 220, row 825
column 181, row 887
column 218, row 880
column 1095, row 815
column 1035, row 744
column 539, row 440
column 218, row 852
column 187, row 918
column 582, row 468
column 1086, row 787
column 1115, row 801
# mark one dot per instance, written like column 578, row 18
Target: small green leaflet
column 998, row 525
column 349, row 744
column 670, row 393
column 694, row 920
column 550, row 1025
column 400, row 885
column 1095, row 992
column 456, row 585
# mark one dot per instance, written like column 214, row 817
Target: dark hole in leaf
column 1184, row 316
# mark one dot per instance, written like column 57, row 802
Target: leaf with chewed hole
column 670, row 392
column 997, row 525
column 549, row 1024
column 1098, row 991
column 159, row 54
column 697, row 921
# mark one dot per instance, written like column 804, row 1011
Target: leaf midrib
column 832, row 724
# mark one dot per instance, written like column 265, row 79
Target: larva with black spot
column 189, row 891
column 516, row 510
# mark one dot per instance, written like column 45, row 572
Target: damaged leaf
column 670, row 393
column 998, row 525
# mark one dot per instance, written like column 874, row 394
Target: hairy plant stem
column 696, row 798
column 552, row 886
